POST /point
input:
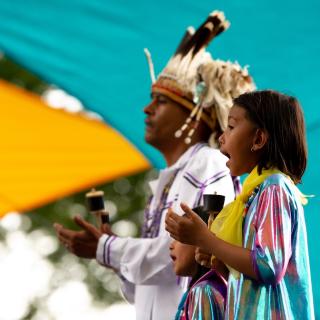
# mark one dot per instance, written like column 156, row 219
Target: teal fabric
column 93, row 49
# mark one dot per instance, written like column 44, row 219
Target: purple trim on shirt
column 236, row 184
column 104, row 250
column 254, row 264
column 193, row 180
column 152, row 218
column 216, row 177
column 108, row 249
column 196, row 148
column 202, row 186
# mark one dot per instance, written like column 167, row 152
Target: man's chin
column 149, row 139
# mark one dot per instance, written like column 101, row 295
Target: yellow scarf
column 228, row 224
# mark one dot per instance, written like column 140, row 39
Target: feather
column 210, row 28
column 213, row 26
column 185, row 40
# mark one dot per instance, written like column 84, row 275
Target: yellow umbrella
column 47, row 153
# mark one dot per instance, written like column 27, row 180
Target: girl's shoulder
column 278, row 179
column 280, row 183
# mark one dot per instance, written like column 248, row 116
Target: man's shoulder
column 206, row 164
column 208, row 156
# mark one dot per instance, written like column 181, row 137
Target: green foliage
column 14, row 73
column 129, row 203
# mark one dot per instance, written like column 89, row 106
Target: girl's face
column 183, row 259
column 238, row 142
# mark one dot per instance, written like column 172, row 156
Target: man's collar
column 178, row 165
column 186, row 156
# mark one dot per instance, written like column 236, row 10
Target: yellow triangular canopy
column 47, row 153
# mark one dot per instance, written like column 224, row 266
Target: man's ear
column 260, row 139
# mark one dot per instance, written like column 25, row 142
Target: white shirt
column 144, row 264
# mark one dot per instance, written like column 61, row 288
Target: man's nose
column 149, row 108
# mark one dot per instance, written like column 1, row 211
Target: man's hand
column 81, row 243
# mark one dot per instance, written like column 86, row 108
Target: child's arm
column 271, row 250
column 190, row 229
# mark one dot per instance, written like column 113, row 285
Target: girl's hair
column 201, row 271
column 281, row 116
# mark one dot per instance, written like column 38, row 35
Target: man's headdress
column 194, row 80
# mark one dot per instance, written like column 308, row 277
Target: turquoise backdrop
column 94, row 50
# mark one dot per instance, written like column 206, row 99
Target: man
column 190, row 101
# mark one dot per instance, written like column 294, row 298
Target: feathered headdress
column 194, row 80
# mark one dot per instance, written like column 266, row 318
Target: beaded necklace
column 152, row 219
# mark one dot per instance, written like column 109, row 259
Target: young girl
column 261, row 236
column 206, row 293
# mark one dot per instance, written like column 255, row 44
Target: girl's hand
column 188, row 229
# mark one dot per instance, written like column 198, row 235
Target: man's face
column 164, row 117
